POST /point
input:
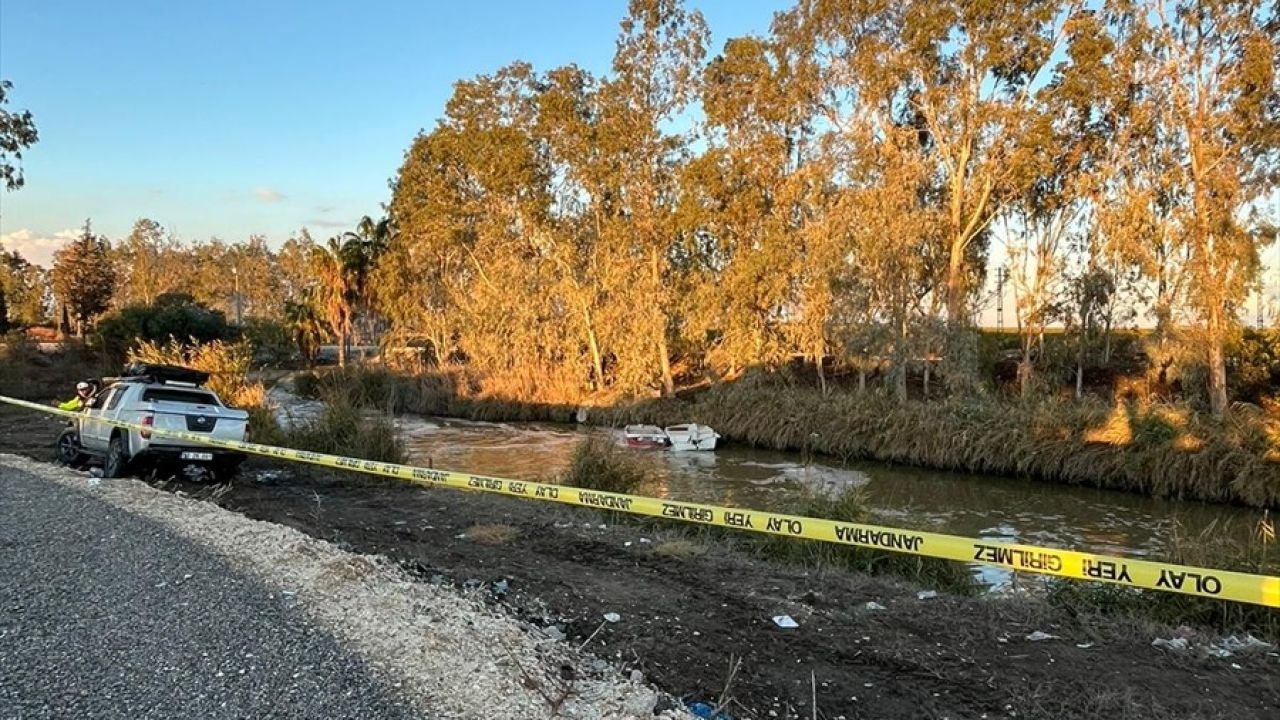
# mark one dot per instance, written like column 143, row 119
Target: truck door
column 94, row 433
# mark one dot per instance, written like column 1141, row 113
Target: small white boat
column 692, row 437
column 645, row 436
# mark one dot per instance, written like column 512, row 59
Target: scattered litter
column 1038, row 636
column 612, row 617
column 1234, row 645
column 873, row 605
column 926, row 594
column 1176, row 644
column 706, row 710
column 1084, row 646
column 785, row 621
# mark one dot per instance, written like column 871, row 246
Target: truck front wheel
column 117, row 461
column 69, row 452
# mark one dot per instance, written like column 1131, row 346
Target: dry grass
column 680, row 549
column 492, row 534
column 228, row 365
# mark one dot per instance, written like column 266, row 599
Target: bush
column 599, row 464
column 345, row 428
column 174, row 317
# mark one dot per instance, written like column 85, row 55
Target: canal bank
column 1156, row 450
column 691, row 607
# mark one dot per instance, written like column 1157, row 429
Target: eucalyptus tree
column 657, row 66
column 964, row 72
column 1218, row 110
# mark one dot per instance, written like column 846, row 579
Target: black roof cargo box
column 165, row 373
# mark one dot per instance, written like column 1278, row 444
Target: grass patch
column 492, row 534
column 850, row 505
column 1210, row 548
column 680, row 549
column 344, row 427
column 598, row 463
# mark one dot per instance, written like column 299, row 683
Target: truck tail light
column 147, row 421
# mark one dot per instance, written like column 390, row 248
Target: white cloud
column 37, row 248
column 266, row 194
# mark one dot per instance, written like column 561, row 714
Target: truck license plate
column 197, row 456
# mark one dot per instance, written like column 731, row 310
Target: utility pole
column 1001, row 275
column 235, row 272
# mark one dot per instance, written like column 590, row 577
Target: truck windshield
column 194, row 397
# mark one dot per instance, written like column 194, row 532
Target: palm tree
column 334, row 294
column 305, row 325
column 360, row 252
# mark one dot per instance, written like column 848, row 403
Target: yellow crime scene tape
column 1144, row 574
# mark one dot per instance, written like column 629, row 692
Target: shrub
column 228, row 366
column 174, row 317
column 345, row 428
column 599, row 464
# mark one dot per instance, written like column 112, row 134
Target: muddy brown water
column 990, row 507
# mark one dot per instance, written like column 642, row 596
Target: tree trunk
column 597, row 363
column 900, row 361
column 664, row 359
column 1217, row 365
column 955, row 289
column 1024, row 373
column 819, row 354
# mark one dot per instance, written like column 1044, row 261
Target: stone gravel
column 119, row 600
column 106, row 614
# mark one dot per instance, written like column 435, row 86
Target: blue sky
column 234, row 117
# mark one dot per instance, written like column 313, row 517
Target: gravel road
column 118, row 600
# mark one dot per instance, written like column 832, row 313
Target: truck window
column 194, row 397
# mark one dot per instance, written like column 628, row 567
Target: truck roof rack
column 155, row 372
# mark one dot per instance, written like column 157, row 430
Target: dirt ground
column 692, row 611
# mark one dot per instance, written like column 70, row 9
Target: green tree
column 25, row 289
column 17, row 133
column 148, row 264
column 1218, row 110
column 656, row 72
column 83, row 279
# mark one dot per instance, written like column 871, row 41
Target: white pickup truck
column 154, row 396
